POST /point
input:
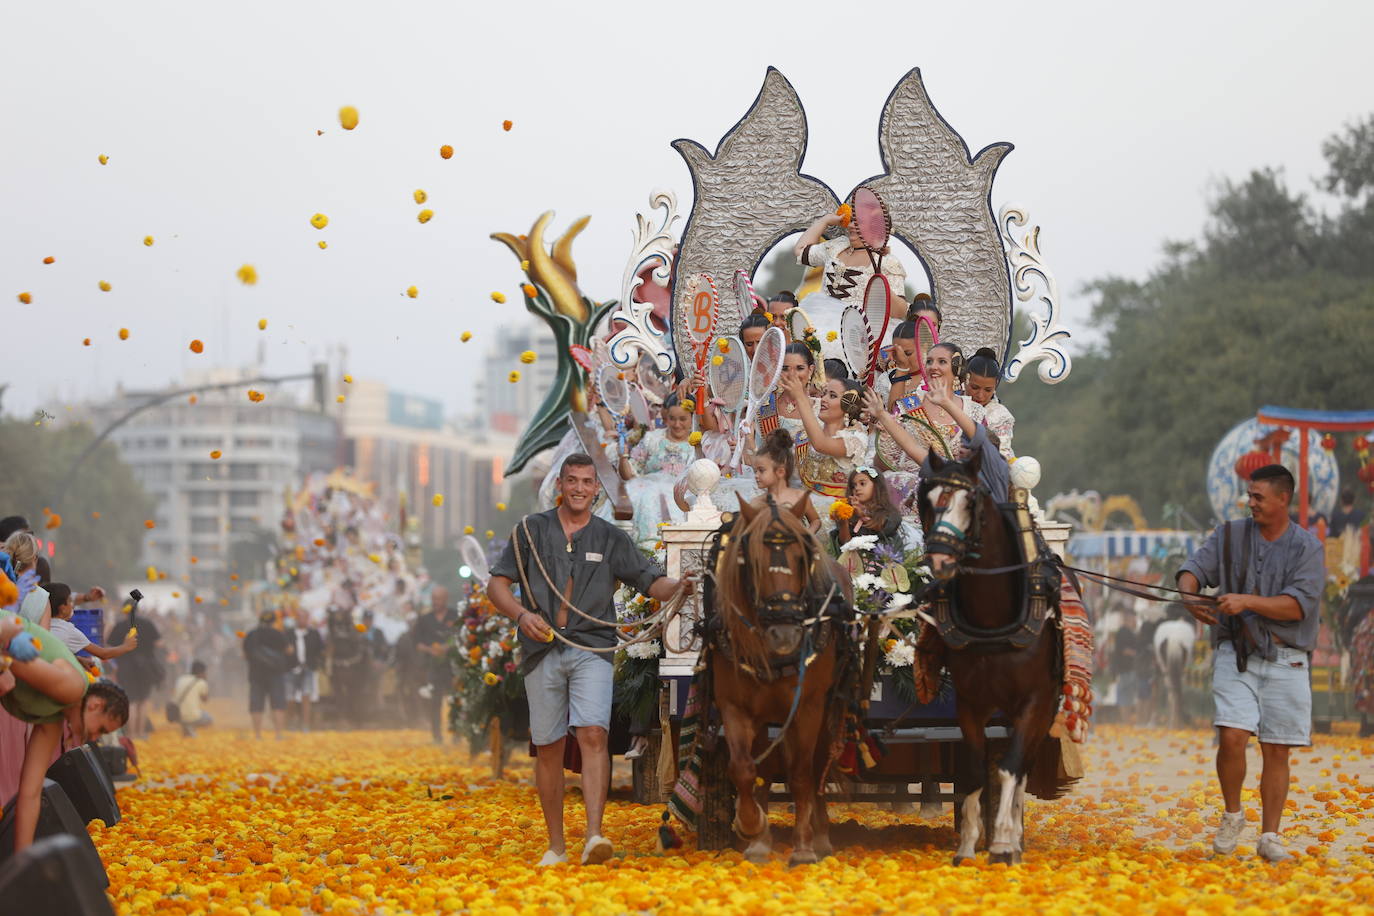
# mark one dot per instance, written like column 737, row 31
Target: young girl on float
column 836, row 442
column 982, row 375
column 874, row 512
column 775, row 465
column 653, row 466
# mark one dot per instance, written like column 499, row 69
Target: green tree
column 1272, row 306
column 102, row 513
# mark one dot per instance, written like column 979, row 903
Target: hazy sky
column 1122, row 117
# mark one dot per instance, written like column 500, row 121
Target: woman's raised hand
column 941, row 392
column 794, row 386
column 873, row 402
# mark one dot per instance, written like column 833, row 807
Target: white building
column 218, row 466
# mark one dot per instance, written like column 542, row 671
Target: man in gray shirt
column 568, row 563
column 1271, row 574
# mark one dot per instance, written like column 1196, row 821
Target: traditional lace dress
column 844, row 282
column 827, row 476
column 902, row 472
column 770, row 420
column 659, row 462
column 1000, row 421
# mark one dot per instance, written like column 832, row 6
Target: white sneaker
column 553, row 858
column 1271, row 848
column 1228, row 834
column 597, row 850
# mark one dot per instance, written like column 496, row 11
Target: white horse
column 1173, row 646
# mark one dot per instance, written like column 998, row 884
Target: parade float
column 682, row 302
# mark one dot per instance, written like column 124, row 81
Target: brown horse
column 775, row 658
column 1001, row 653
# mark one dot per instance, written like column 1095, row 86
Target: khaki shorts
column 1272, row 700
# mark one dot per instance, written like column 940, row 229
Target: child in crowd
column 874, row 512
column 983, row 374
column 61, row 626
column 44, row 685
column 775, row 463
column 189, row 694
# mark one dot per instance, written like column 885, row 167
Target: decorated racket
column 655, row 386
column 701, row 324
column 855, row 341
column 872, row 222
column 797, row 322
column 615, row 394
column 729, row 374
column 763, row 378
column 475, row 558
column 639, row 406
column 926, row 339
column 877, row 304
column 744, row 293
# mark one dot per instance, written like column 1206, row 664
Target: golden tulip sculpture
column 552, row 293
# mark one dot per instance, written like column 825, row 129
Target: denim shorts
column 1273, row 700
column 568, row 687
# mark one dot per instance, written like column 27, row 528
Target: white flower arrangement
column 649, row 649
column 863, row 542
column 899, row 653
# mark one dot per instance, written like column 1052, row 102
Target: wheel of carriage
column 647, row 788
column 714, row 830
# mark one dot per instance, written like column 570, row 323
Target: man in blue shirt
column 1264, row 628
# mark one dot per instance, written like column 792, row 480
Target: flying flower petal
column 248, row 275
column 445, row 152
column 348, row 117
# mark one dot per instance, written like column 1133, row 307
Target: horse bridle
column 947, row 538
column 781, row 606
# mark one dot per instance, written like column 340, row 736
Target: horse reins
column 654, row 624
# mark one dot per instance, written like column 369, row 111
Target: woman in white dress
column 836, row 442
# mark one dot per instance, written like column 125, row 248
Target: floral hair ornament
column 865, row 469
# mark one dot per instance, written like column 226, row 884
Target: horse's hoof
column 802, row 858
column 960, row 860
column 1002, row 858
column 757, row 856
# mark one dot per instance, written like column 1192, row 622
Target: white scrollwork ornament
column 653, row 247
column 1031, row 279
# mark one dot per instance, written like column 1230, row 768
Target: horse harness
column 1040, row 587
column 794, row 625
